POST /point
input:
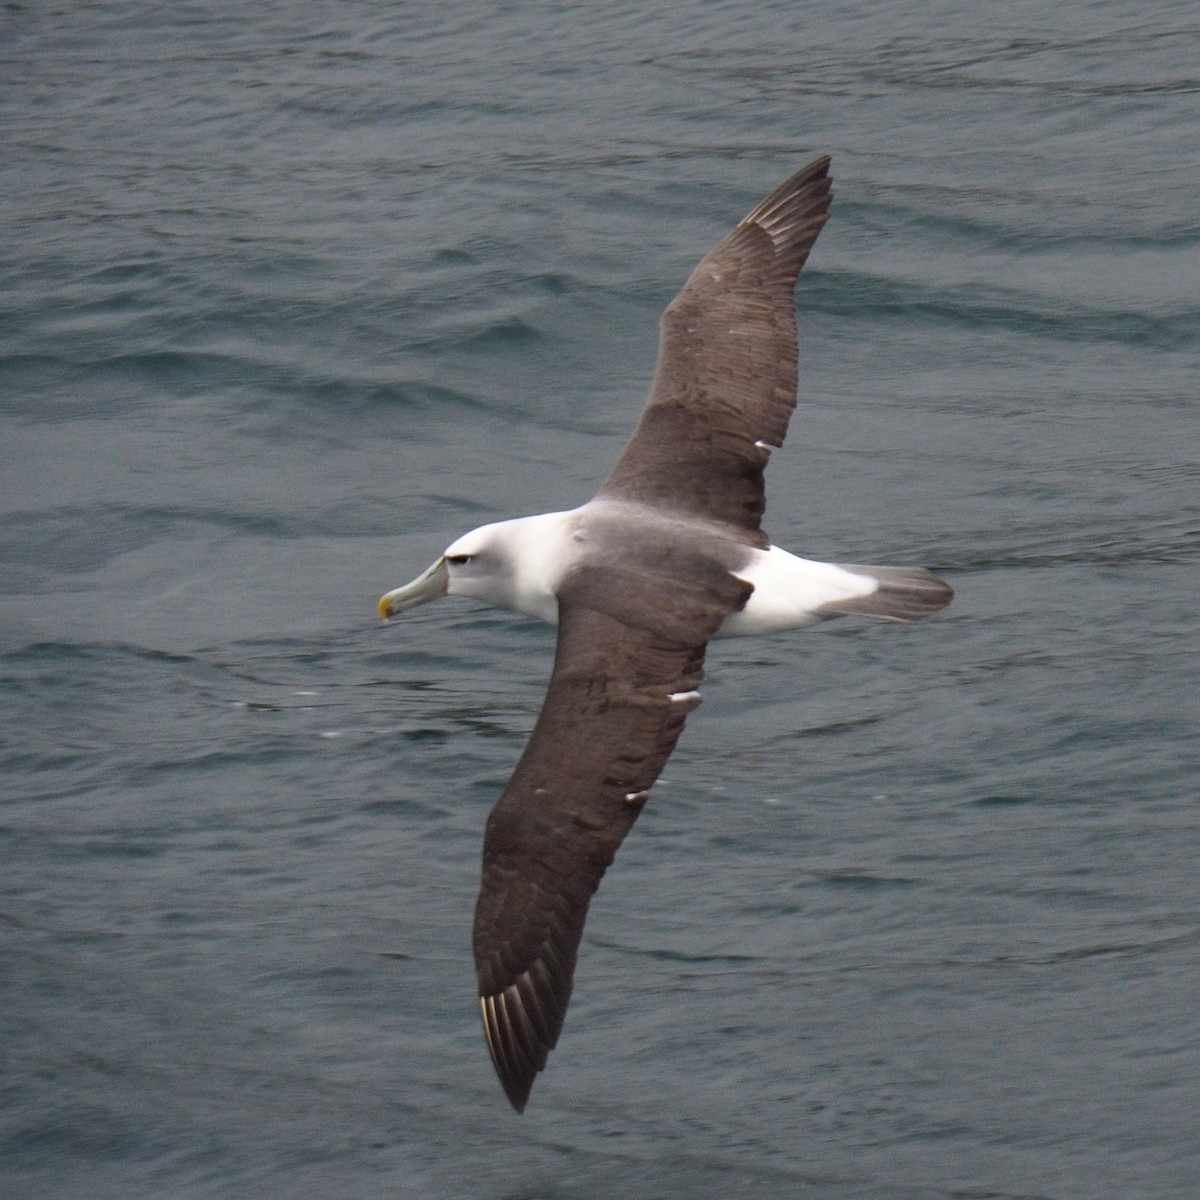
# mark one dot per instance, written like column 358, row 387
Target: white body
column 519, row 564
column 789, row 592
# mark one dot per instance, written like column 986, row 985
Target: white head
column 500, row 564
column 475, row 565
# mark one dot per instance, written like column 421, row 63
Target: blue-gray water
column 294, row 293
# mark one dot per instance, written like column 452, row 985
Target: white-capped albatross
column 669, row 554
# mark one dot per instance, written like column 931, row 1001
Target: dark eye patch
column 459, row 559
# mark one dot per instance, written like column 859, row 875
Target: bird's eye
column 459, row 559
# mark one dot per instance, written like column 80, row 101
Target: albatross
column 669, row 554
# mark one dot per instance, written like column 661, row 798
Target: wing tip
column 521, row 1024
column 515, row 1072
column 811, row 186
column 796, row 211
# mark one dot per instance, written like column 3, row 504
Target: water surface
column 292, row 298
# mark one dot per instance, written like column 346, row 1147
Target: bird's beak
column 429, row 585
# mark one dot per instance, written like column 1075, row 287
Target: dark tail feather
column 904, row 594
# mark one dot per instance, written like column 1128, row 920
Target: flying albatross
column 669, row 554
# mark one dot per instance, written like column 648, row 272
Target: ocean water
column 291, row 295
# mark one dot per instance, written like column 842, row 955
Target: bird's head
column 476, row 565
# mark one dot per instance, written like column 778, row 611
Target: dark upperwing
column 726, row 372
column 631, row 638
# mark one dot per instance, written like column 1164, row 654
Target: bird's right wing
column 725, row 382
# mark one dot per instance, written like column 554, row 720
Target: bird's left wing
column 625, row 677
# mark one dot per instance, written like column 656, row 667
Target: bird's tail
column 903, row 594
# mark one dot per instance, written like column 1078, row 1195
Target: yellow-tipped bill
column 429, row 585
